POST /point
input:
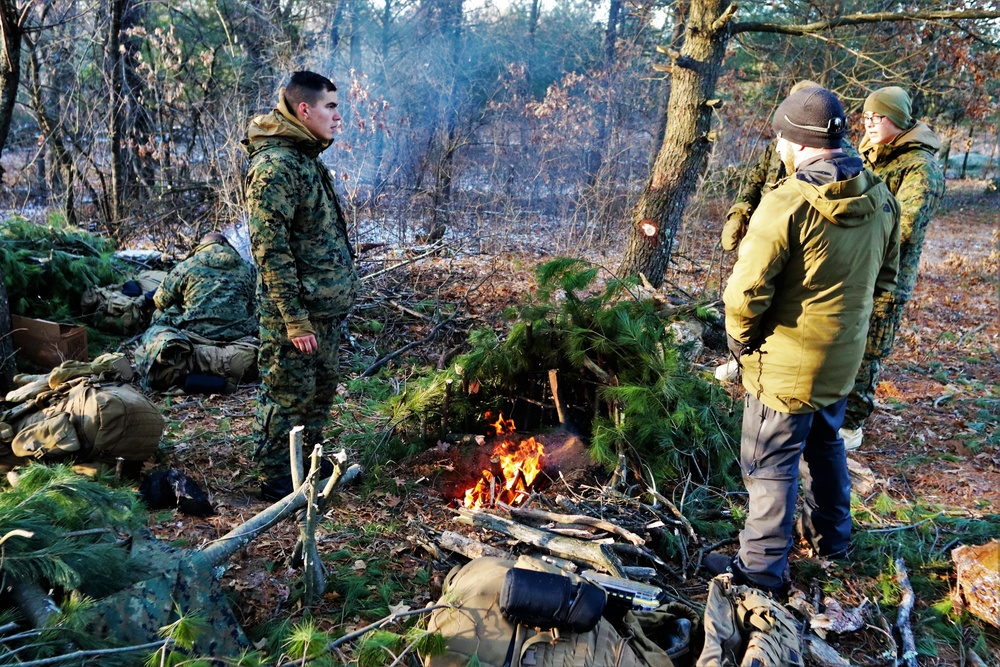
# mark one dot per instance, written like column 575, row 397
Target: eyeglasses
column 872, row 119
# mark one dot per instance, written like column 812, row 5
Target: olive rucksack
column 473, row 624
column 107, row 420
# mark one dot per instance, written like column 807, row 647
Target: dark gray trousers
column 775, row 448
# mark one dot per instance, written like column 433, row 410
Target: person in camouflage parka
column 306, row 277
column 901, row 152
column 211, row 293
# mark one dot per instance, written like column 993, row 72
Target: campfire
column 515, row 465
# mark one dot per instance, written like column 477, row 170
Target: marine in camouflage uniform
column 906, row 162
column 211, row 293
column 306, row 278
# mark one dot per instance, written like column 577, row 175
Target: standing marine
column 902, row 152
column 306, row 281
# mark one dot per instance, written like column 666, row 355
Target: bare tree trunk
column 595, row 157
column 451, row 30
column 968, row 149
column 676, row 41
column 63, row 179
column 116, row 117
column 686, row 142
column 10, row 67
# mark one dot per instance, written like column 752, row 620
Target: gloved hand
column 735, row 228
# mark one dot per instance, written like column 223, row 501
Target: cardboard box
column 48, row 344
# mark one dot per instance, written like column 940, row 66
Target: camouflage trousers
column 296, row 388
column 882, row 328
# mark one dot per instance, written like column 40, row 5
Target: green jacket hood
column 280, row 127
column 919, row 136
column 851, row 203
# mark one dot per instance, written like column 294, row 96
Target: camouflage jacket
column 298, row 233
column 909, row 167
column 210, row 293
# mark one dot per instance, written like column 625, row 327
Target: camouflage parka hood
column 910, row 169
column 280, row 126
column 298, row 231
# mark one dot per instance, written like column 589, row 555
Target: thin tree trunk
column 63, row 179
column 116, row 116
column 595, row 157
column 968, row 149
column 686, row 143
column 10, row 68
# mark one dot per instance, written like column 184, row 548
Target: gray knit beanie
column 893, row 103
column 811, row 117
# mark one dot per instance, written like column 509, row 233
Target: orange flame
column 520, row 463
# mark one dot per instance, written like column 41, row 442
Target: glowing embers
column 515, row 465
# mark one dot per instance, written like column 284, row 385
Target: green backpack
column 92, row 420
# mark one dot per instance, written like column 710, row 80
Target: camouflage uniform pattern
column 306, row 280
column 211, row 293
column 164, row 580
column 909, row 167
column 296, row 388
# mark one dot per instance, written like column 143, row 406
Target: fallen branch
column 379, row 623
column 221, row 549
column 467, row 546
column 77, row 655
column 566, row 547
column 676, row 512
column 542, row 515
column 909, row 656
column 434, row 249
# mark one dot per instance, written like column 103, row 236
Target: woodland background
column 481, row 138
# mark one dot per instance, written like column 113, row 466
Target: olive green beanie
column 894, row 104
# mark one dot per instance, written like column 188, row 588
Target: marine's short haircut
column 306, row 87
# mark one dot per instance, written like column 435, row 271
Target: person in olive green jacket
column 306, row 277
column 819, row 249
column 902, row 152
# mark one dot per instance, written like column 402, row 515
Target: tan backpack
column 473, row 625
column 109, row 420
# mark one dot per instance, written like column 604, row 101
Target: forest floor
column 933, row 442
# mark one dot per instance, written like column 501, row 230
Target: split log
column 467, row 546
column 978, row 572
column 909, row 656
column 596, row 555
column 822, row 654
column 863, row 480
column 541, row 515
